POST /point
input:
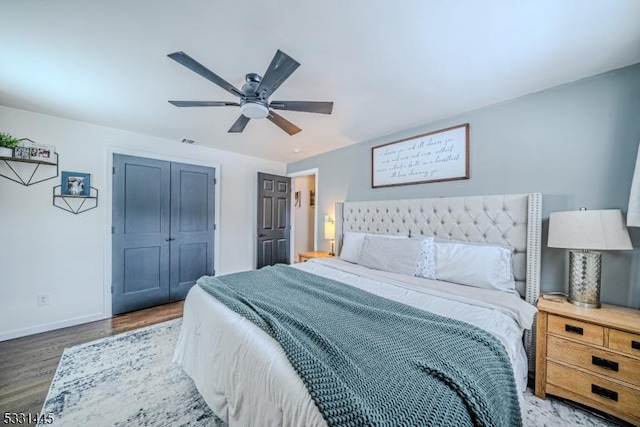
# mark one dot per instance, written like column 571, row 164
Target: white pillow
column 390, row 254
column 352, row 244
column 480, row 265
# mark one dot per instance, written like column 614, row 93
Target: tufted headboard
column 513, row 220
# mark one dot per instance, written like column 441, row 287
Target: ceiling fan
column 255, row 92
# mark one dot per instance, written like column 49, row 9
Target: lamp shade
column 329, row 230
column 598, row 230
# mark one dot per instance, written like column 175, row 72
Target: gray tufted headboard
column 513, row 220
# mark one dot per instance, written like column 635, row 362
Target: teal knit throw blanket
column 369, row 361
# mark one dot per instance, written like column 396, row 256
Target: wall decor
column 75, row 204
column 23, row 169
column 75, row 184
column 42, row 153
column 442, row 155
column 22, row 152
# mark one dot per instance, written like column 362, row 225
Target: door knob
column 262, row 235
column 169, row 239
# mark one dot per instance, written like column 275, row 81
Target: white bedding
column 245, row 377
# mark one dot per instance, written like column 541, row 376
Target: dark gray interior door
column 192, row 226
column 274, row 221
column 140, row 233
column 163, row 230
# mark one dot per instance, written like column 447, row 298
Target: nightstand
column 590, row 356
column 306, row 256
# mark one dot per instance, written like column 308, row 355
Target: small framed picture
column 75, row 184
column 22, row 152
column 43, row 153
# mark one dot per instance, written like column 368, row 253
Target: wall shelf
column 75, row 204
column 20, row 176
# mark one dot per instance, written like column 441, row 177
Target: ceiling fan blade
column 281, row 67
column 204, row 104
column 283, row 123
column 197, row 67
column 239, row 124
column 305, row 106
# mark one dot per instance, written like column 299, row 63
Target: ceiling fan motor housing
column 250, row 88
column 251, row 105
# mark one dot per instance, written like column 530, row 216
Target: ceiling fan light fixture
column 254, row 110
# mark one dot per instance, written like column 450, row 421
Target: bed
column 246, row 377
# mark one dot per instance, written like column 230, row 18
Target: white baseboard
column 19, row 333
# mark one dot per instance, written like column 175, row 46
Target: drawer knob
column 573, row 329
column 606, row 393
column 604, row 363
column 635, row 345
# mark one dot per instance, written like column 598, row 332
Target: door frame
column 307, row 172
column 108, row 202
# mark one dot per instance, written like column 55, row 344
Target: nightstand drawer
column 625, row 342
column 595, row 360
column 581, row 331
column 608, row 393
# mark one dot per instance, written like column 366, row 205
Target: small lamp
column 329, row 231
column 583, row 231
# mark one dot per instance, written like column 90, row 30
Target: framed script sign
column 442, row 155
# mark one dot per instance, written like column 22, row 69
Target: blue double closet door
column 162, row 231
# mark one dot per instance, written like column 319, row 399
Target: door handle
column 169, row 239
column 262, row 235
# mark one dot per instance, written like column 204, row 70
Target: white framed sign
column 442, row 155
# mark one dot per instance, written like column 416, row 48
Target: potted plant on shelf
column 7, row 144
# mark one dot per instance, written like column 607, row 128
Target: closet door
column 192, row 226
column 140, row 233
column 163, row 230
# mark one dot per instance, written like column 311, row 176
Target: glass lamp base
column 584, row 278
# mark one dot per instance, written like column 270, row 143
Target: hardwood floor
column 27, row 365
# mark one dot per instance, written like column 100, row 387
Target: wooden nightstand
column 306, row 256
column 590, row 356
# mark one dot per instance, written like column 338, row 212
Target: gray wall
column 576, row 144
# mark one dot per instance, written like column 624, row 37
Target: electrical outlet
column 44, row 299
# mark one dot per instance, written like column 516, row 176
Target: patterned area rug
column 126, row 380
column 129, row 379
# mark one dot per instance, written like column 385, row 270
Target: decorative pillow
column 352, row 244
column 390, row 254
column 426, row 263
column 474, row 264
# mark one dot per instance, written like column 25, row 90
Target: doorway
column 304, row 226
column 163, row 222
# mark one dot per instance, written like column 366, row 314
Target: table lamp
column 585, row 232
column 329, row 231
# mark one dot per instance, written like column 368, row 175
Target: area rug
column 130, row 380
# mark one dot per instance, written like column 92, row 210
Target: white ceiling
column 387, row 65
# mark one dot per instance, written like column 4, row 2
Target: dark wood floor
column 27, row 365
